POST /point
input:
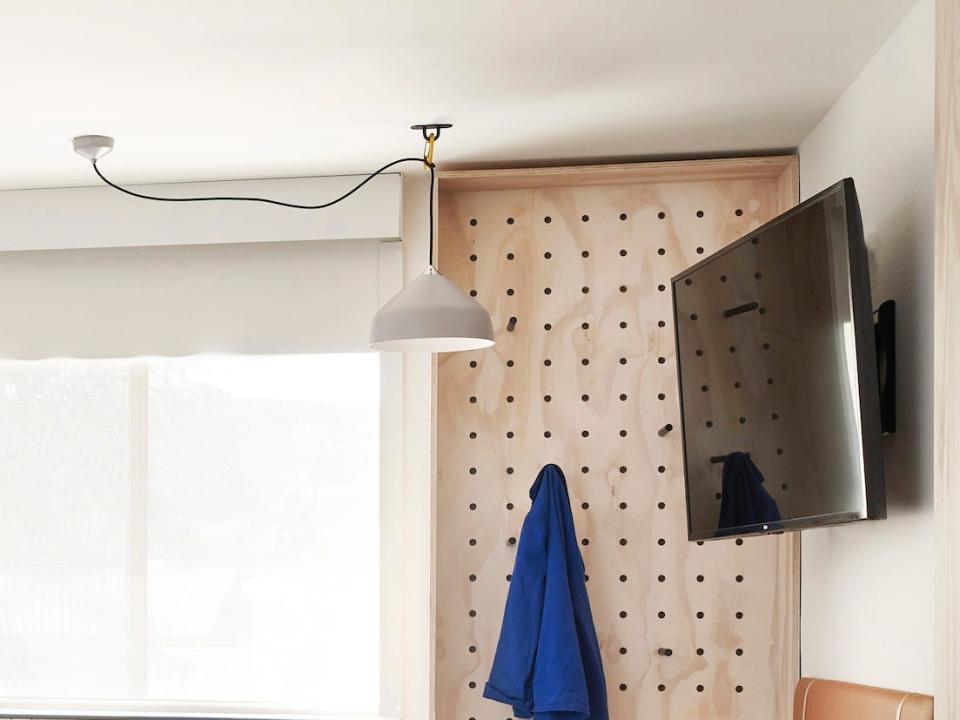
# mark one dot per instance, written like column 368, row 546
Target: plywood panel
column 575, row 273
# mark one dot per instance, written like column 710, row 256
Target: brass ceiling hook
column 428, row 150
column 431, row 133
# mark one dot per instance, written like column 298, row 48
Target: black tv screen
column 778, row 379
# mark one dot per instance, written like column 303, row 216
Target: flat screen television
column 777, row 366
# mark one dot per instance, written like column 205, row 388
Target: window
column 197, row 535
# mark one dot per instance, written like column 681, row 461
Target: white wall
column 867, row 589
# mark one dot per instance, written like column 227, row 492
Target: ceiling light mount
column 92, row 147
column 426, row 129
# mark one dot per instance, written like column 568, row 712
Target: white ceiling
column 207, row 89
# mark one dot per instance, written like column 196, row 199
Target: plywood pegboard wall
column 574, row 265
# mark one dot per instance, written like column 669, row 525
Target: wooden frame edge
column 782, row 167
column 789, row 190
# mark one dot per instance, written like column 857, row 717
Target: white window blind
column 269, row 297
column 193, row 535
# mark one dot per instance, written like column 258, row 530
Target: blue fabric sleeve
column 513, row 665
column 559, row 683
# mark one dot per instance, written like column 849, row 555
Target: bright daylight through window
column 191, row 534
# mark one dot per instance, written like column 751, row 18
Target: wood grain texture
column 782, row 168
column 577, row 379
column 947, row 358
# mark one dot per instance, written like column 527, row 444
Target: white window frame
column 98, row 217
column 390, row 585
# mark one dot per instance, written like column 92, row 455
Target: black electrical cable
column 432, row 176
column 296, row 206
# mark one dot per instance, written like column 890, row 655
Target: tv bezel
column 867, row 388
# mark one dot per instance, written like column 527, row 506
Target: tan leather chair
column 831, row 700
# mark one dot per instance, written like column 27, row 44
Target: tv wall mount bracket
column 883, row 332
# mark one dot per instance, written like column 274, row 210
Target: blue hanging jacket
column 547, row 664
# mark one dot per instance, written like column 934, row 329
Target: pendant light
column 430, row 314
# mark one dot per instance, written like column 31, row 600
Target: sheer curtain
column 196, row 535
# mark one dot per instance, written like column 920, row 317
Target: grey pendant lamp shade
column 431, row 314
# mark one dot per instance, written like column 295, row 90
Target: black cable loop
column 321, row 206
column 432, row 180
column 296, row 206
